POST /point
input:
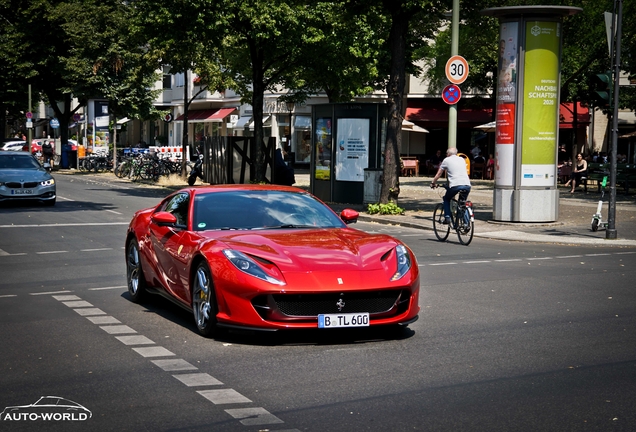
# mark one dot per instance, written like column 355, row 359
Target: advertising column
column 527, row 117
column 540, row 104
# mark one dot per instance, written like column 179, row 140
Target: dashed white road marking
column 8, row 295
column 477, row 262
column 134, row 340
column 66, row 297
column 50, row 292
column 156, row 351
column 95, row 250
column 117, row 329
column 442, row 264
column 77, row 304
column 197, row 379
column 569, row 256
column 4, row 253
column 223, row 396
column 251, row 416
column 508, row 260
column 50, row 252
column 597, row 254
column 539, row 258
column 254, row 416
column 174, row 365
column 103, row 320
column 107, row 288
column 113, row 211
column 64, row 198
column 89, row 311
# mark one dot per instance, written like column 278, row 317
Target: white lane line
column 113, row 211
column 443, row 264
column 134, row 340
column 197, row 379
column 89, row 311
column 103, row 320
column 8, row 295
column 77, row 304
column 95, row 250
column 107, row 288
column 254, row 416
column 50, row 252
column 223, row 396
column 597, row 254
column 83, row 224
column 476, row 262
column 4, row 253
column 625, row 253
column 65, row 199
column 508, row 260
column 569, row 256
column 66, row 297
column 153, row 352
column 174, row 365
column 15, row 254
column 116, row 329
column 539, row 259
column 50, row 292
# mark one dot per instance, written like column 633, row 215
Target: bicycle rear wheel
column 441, row 230
column 464, row 226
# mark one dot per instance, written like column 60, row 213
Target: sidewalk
column 572, row 227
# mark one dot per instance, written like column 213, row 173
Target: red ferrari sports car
column 268, row 258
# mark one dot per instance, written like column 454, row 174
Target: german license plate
column 343, row 320
column 22, row 192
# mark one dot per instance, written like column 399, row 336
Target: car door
column 167, row 244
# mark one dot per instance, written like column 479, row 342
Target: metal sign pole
column 611, row 233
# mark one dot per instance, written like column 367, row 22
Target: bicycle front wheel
column 465, row 226
column 441, row 230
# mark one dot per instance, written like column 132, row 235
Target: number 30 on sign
column 457, row 69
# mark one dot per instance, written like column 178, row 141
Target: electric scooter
column 597, row 219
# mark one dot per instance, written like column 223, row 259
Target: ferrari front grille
column 306, row 306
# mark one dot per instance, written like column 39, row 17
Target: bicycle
column 462, row 219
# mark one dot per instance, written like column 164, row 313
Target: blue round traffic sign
column 451, row 94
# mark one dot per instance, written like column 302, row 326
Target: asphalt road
column 511, row 337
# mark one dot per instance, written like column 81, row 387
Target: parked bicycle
column 462, row 219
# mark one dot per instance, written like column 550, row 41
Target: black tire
column 441, row 230
column 134, row 273
column 595, row 225
column 192, row 179
column 465, row 230
column 204, row 304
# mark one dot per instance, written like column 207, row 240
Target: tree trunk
column 395, row 91
column 184, row 143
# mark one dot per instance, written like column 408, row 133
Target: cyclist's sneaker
column 446, row 221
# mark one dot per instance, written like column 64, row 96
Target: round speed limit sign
column 457, row 69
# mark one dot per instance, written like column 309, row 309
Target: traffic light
column 601, row 89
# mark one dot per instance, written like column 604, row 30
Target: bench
column 625, row 175
column 410, row 167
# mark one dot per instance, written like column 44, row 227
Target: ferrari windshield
column 261, row 209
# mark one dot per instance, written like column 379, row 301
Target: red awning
column 432, row 113
column 566, row 115
column 212, row 115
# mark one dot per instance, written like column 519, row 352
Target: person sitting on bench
column 580, row 170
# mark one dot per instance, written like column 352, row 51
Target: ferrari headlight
column 50, row 182
column 249, row 266
column 403, row 262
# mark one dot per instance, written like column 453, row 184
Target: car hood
column 314, row 250
column 19, row 175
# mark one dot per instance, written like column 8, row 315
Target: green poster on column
column 540, row 103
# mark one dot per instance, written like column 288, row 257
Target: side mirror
column 349, row 216
column 164, row 219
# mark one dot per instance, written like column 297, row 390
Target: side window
column 178, row 205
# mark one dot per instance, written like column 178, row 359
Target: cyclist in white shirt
column 458, row 180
